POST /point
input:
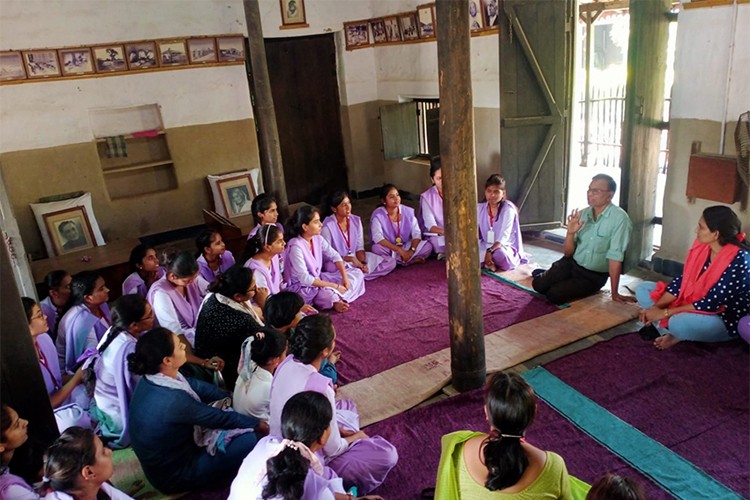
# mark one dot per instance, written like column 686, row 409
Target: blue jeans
column 686, row 326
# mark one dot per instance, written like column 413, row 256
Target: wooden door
column 305, row 91
column 536, row 62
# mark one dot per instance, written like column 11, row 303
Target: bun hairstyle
column 234, row 280
column 615, row 487
column 54, row 279
column 137, row 254
column 281, row 308
column 387, row 188
column 333, row 200
column 68, row 455
column 272, row 345
column 126, row 310
column 267, row 234
column 204, row 239
column 304, row 419
column 83, row 284
column 511, row 407
column 723, row 219
column 260, row 204
column 435, row 165
column 150, row 350
column 303, row 215
column 180, row 263
column 310, row 337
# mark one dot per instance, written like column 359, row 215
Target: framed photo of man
column 293, row 14
column 237, row 194
column 69, row 230
column 490, row 11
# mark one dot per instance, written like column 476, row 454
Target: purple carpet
column 693, row 398
column 416, row 434
column 404, row 316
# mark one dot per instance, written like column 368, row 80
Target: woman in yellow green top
column 502, row 464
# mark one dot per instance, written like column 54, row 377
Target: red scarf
column 695, row 285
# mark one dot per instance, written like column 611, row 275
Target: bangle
column 666, row 312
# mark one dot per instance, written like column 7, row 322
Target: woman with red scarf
column 706, row 303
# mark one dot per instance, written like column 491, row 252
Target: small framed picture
column 476, row 20
column 69, row 230
column 172, row 52
column 230, row 48
column 392, row 29
column 11, row 66
column 141, row 55
column 426, row 19
column 489, row 9
column 76, row 61
column 237, row 194
column 41, row 63
column 378, row 31
column 357, row 34
column 408, row 22
column 109, row 58
column 201, row 50
column 293, row 13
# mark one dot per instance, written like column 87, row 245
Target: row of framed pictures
column 118, row 57
column 418, row 25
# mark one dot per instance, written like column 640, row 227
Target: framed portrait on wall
column 392, row 29
column 357, row 34
column 69, row 230
column 378, row 31
column 426, row 21
column 109, row 58
column 76, row 61
column 293, row 14
column 490, row 12
column 201, row 50
column 408, row 22
column 41, row 63
column 141, row 55
column 11, row 66
column 476, row 20
column 172, row 52
column 230, row 48
column 237, row 194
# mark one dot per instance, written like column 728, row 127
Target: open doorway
column 599, row 102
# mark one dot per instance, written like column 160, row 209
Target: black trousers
column 566, row 281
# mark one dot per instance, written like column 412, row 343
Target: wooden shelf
column 133, row 168
column 131, row 136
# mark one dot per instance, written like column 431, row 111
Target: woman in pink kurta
column 306, row 254
column 395, row 231
column 263, row 253
column 344, row 232
column 214, row 257
column 500, row 243
column 145, row 266
column 431, row 209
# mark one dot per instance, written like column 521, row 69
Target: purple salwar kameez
column 407, row 229
column 226, row 260
column 174, row 311
column 506, row 231
column 353, row 241
column 431, row 214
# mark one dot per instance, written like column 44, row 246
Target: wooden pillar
column 641, row 133
column 460, row 195
column 21, row 383
column 265, row 113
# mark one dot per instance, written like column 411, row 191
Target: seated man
column 594, row 248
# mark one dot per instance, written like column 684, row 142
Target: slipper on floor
column 648, row 332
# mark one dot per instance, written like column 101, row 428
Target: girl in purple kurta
column 13, row 433
column 344, row 232
column 357, row 458
column 263, row 253
column 84, row 320
column 131, row 316
column 265, row 211
column 431, row 209
column 500, row 243
column 306, row 253
column 58, row 291
column 214, row 257
column 145, row 266
column 395, row 231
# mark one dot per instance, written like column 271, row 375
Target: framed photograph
column 489, row 10
column 293, row 13
column 201, row 50
column 77, row 61
column 408, row 22
column 378, row 31
column 392, row 29
column 141, row 55
column 357, row 34
column 41, row 63
column 70, row 230
column 476, row 20
column 237, row 195
column 11, row 66
column 109, row 58
column 230, row 48
column 172, row 52
column 426, row 20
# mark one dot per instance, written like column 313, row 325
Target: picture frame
column 237, row 194
column 490, row 13
column 172, row 52
column 41, row 63
column 377, row 26
column 476, row 19
column 201, row 50
column 11, row 66
column 426, row 20
column 76, row 61
column 109, row 58
column 392, row 29
column 141, row 55
column 230, row 48
column 69, row 230
column 293, row 13
column 357, row 34
column 409, row 25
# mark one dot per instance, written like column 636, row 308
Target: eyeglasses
column 597, row 191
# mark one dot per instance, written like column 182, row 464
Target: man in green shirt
column 594, row 249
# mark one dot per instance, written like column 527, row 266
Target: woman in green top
column 502, row 464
